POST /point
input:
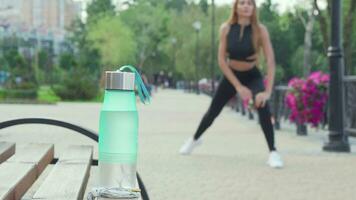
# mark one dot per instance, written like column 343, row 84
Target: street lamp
column 338, row 140
column 197, row 27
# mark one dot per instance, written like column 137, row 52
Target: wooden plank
column 21, row 170
column 19, row 177
column 36, row 153
column 6, row 150
column 69, row 177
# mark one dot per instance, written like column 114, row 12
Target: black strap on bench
column 90, row 134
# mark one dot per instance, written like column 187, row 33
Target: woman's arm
column 243, row 91
column 262, row 97
column 269, row 55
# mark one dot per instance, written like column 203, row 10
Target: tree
column 286, row 32
column 204, row 6
column 87, row 56
column 45, row 66
column 177, row 5
column 180, row 27
column 150, row 30
column 114, row 40
column 99, row 8
column 308, row 23
column 67, row 61
column 348, row 39
column 20, row 70
column 349, row 18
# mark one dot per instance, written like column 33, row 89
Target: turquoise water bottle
column 118, row 129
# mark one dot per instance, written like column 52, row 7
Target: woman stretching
column 241, row 38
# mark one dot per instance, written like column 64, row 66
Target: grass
column 46, row 94
column 2, row 94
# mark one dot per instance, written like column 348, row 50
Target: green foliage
column 46, row 94
column 146, row 41
column 143, row 35
column 319, row 62
column 149, row 31
column 20, row 93
column 177, row 5
column 114, row 41
column 2, row 94
column 22, row 73
column 100, row 96
column 86, row 55
column 44, row 67
column 67, row 61
column 98, row 9
column 287, row 35
column 77, row 84
column 43, row 59
column 297, row 63
column 204, row 6
column 181, row 27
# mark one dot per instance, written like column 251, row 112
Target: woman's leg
column 264, row 114
column 223, row 94
column 255, row 83
column 267, row 126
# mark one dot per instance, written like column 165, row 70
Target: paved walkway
column 229, row 165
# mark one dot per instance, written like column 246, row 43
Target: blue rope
column 141, row 88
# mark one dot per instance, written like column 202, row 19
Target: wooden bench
column 66, row 180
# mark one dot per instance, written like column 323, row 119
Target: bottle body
column 118, row 132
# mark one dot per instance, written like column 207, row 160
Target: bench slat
column 68, row 179
column 6, row 150
column 39, row 154
column 19, row 177
column 21, row 170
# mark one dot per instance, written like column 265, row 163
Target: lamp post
column 197, row 27
column 338, row 139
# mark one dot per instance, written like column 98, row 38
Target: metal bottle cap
column 116, row 80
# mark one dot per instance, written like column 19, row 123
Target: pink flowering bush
column 307, row 98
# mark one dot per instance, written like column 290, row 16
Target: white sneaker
column 275, row 160
column 189, row 145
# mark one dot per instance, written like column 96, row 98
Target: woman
column 241, row 38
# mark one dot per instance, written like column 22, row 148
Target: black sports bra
column 240, row 48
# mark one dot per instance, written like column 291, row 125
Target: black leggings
column 253, row 80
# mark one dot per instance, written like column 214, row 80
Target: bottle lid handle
column 141, row 88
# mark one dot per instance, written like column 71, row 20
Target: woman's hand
column 261, row 99
column 244, row 92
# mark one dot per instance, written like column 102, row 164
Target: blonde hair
column 256, row 33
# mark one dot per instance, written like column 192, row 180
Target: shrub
column 78, row 84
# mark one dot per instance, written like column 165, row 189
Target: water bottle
column 118, row 129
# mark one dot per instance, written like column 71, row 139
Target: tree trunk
column 308, row 44
column 323, row 22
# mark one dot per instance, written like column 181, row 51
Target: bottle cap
column 116, row 80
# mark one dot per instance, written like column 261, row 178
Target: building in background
column 43, row 20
